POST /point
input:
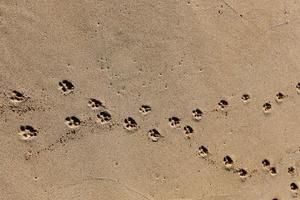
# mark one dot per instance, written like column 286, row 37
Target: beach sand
column 149, row 99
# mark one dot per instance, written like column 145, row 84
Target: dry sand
column 75, row 74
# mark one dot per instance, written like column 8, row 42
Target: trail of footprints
column 27, row 132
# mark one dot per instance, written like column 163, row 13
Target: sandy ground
column 83, row 84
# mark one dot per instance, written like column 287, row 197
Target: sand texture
column 149, row 99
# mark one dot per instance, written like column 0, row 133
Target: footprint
column 273, row 171
column 266, row 164
column 72, row 122
column 174, row 122
column 27, row 132
column 228, row 162
column 267, row 108
column 154, row 135
column 279, row 97
column 242, row 173
column 188, row 130
column 197, row 114
column 223, row 104
column 95, row 104
column 294, row 188
column 130, row 124
column 245, row 98
column 145, row 109
column 203, row 151
column 66, row 87
column 291, row 170
column 298, row 88
column 103, row 117
column 17, row 97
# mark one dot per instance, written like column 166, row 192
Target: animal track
column 266, row 164
column 145, row 109
column 188, row 130
column 294, row 189
column 130, row 124
column 291, row 170
column 267, row 108
column 66, row 87
column 223, row 104
column 273, row 171
column 197, row 114
column 27, row 132
column 228, row 162
column 203, row 151
column 72, row 122
column 104, row 117
column 279, row 97
column 154, row 135
column 242, row 173
column 174, row 122
column 95, row 104
column 245, row 98
column 17, row 97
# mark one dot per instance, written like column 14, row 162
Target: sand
column 149, row 99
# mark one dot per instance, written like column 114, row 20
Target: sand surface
column 149, row 99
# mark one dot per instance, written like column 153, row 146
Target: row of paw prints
column 28, row 132
column 67, row 87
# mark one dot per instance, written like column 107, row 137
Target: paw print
column 174, row 122
column 66, row 87
column 27, row 132
column 188, row 130
column 197, row 114
column 154, row 135
column 72, row 122
column 17, row 97
column 267, row 108
column 242, row 173
column 291, row 170
column 95, row 104
column 103, row 117
column 245, row 98
column 273, row 171
column 298, row 87
column 228, row 162
column 279, row 97
column 130, row 124
column 266, row 164
column 223, row 104
column 203, row 151
column 145, row 109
